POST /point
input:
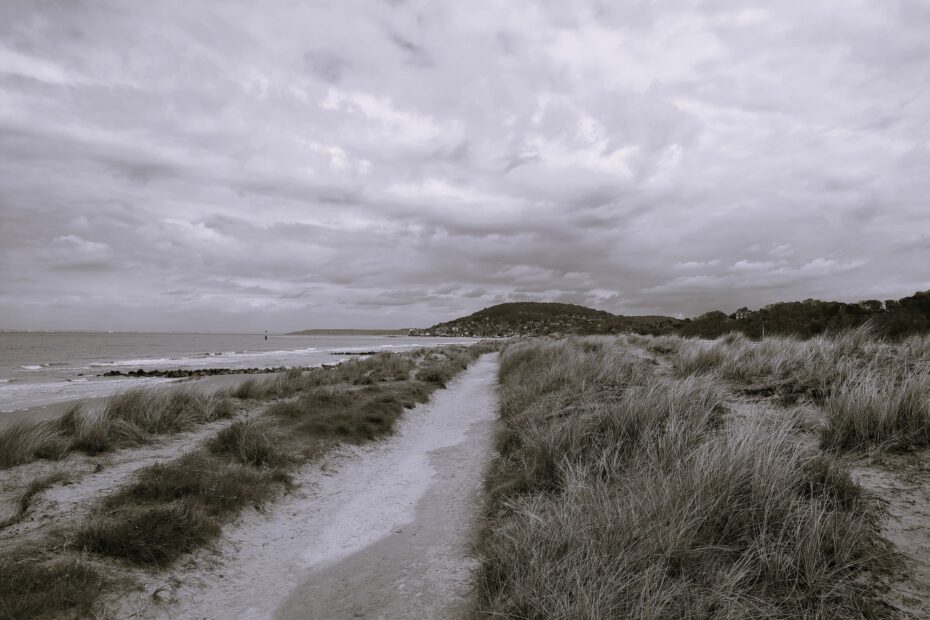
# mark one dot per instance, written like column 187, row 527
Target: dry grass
column 36, row 584
column 127, row 419
column 617, row 493
column 325, row 414
column 872, row 409
column 173, row 508
column 874, row 393
column 23, row 442
column 251, row 442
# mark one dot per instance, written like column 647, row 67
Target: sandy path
column 377, row 531
column 903, row 487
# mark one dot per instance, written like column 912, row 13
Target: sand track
column 376, row 531
column 902, row 485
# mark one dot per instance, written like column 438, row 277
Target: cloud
column 373, row 163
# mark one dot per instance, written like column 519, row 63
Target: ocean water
column 38, row 368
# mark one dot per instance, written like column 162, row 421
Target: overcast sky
column 369, row 163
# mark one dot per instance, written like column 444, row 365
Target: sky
column 241, row 166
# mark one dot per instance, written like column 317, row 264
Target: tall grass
column 617, row 493
column 871, row 408
column 37, row 584
column 126, row 419
column 360, row 415
column 23, row 442
column 874, row 393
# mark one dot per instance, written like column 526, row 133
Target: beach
column 42, row 373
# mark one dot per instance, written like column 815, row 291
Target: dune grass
column 872, row 409
column 126, row 419
column 618, row 493
column 172, row 508
column 35, row 584
column 352, row 416
column 875, row 394
column 432, row 365
column 251, row 442
column 23, row 442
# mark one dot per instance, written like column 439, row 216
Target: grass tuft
column 22, row 442
column 250, row 442
column 873, row 409
column 149, row 535
column 35, row 586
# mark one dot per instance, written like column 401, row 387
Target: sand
column 377, row 531
column 902, row 485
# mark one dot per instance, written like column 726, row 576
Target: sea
column 41, row 368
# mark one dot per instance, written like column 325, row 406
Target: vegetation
column 620, row 492
column 536, row 319
column 875, row 393
column 804, row 319
column 34, row 584
column 173, row 508
column 178, row 506
column 127, row 419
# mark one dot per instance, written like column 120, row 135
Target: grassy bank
column 173, row 508
column 620, row 491
column 876, row 394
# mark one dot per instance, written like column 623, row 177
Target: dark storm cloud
column 243, row 166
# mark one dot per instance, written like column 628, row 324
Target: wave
column 41, row 366
column 136, row 362
column 199, row 358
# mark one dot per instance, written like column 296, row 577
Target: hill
column 893, row 318
column 538, row 318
